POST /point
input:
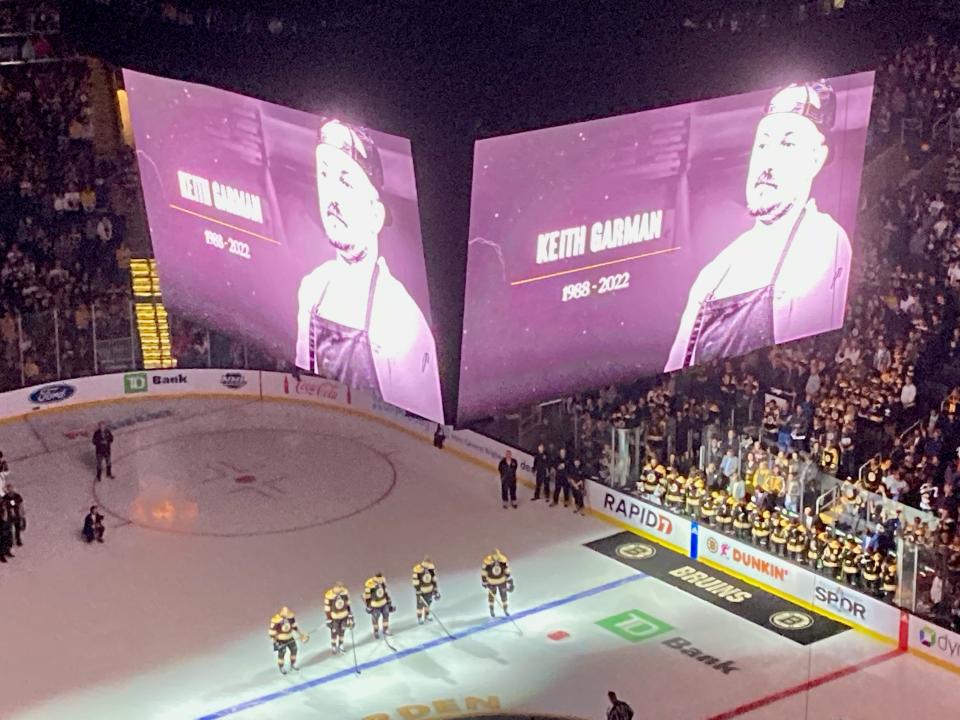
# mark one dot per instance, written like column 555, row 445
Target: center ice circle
column 291, row 480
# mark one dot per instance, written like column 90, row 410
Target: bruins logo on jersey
column 426, row 578
column 378, row 593
column 496, row 569
column 339, row 603
column 285, row 627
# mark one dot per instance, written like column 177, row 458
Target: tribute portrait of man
column 357, row 323
column 786, row 277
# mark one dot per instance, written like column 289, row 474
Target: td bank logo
column 134, row 383
column 634, row 626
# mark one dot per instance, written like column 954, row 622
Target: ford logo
column 52, row 394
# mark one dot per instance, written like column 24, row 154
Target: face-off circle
column 244, row 482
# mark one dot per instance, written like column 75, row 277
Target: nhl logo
column 234, row 381
column 636, row 551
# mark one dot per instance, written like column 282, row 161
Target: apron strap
column 786, row 248
column 313, row 328
column 370, row 294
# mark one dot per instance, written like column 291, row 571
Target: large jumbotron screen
column 296, row 232
column 644, row 243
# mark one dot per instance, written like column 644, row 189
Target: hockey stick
column 383, row 632
column 353, row 646
column 497, row 598
column 389, row 644
column 440, row 623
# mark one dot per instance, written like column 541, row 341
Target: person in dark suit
column 102, row 440
column 93, row 525
column 508, row 479
column 541, row 470
column 14, row 503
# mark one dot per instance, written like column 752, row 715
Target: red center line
column 808, row 685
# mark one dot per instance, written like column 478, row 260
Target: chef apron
column 342, row 352
column 735, row 325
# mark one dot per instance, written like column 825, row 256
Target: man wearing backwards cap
column 357, row 323
column 786, row 277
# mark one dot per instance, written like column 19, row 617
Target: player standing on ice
column 425, row 587
column 283, row 631
column 495, row 576
column 336, row 605
column 378, row 602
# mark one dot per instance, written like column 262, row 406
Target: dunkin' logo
column 758, row 564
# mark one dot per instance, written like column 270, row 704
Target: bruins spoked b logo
column 636, row 551
column 791, row 620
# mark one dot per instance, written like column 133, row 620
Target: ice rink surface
column 224, row 510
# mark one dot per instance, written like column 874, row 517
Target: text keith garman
column 222, row 197
column 614, row 233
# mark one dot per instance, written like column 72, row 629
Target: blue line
column 490, row 624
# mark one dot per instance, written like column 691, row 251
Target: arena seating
column 878, row 402
column 60, row 234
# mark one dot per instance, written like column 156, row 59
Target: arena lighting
column 151, row 316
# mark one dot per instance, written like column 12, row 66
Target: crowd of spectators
column 920, row 82
column 739, row 17
column 30, row 31
column 876, row 405
column 56, row 224
column 209, row 17
column 196, row 346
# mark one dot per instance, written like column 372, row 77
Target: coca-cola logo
column 328, row 390
column 51, row 394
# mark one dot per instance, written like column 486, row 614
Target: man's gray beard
column 770, row 213
column 350, row 253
